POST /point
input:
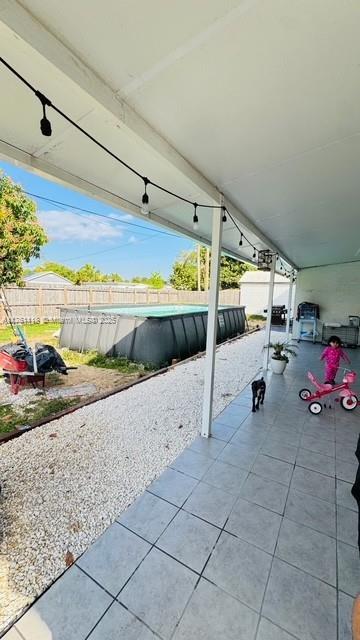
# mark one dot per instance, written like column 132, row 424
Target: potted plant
column 279, row 358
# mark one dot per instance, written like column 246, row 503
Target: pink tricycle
column 347, row 398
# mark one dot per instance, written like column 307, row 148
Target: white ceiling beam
column 25, row 25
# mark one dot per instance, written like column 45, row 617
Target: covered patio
column 250, row 534
column 251, row 106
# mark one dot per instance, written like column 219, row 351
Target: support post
column 198, row 250
column 211, row 332
column 289, row 308
column 269, row 310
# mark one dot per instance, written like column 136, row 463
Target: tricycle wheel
column 304, row 394
column 315, row 408
column 349, row 403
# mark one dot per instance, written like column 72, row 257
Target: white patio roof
column 258, row 99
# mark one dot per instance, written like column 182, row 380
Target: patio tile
column 189, row 540
column 226, row 477
column 266, row 493
column 320, row 431
column 286, row 436
column 250, row 437
column 347, row 526
column 69, row 609
column 254, row 524
column 345, row 452
column 316, row 462
column 263, row 419
column 119, row 623
column 268, row 631
column 273, row 469
column 239, row 455
column 192, row 463
column 290, row 417
column 173, row 486
column 308, row 550
column 326, row 447
column 346, row 471
column 311, row 512
column 158, row 592
column 300, row 603
column 222, row 432
column 148, row 516
column 239, row 410
column 210, row 503
column 314, row 484
column 276, row 449
column 345, row 605
column 230, row 420
column 344, row 496
column 209, row 447
column 114, row 557
column 212, row 614
column 349, row 568
column 240, row 569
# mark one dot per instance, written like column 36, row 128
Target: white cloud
column 132, row 240
column 66, row 225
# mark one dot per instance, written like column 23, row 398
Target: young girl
column 332, row 356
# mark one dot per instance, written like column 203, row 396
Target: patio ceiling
column 258, row 99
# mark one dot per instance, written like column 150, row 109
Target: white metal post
column 289, row 307
column 211, row 332
column 269, row 310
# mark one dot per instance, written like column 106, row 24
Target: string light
column 45, row 124
column 145, row 199
column 46, row 130
column 195, row 218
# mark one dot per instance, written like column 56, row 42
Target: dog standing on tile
column 258, row 388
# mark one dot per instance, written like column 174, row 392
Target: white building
column 254, row 287
column 45, row 278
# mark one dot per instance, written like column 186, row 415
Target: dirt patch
column 103, row 379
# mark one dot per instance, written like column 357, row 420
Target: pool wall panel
column 155, row 340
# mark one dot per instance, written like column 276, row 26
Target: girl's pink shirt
column 333, row 355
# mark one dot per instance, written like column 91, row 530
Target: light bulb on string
column 241, row 240
column 254, row 254
column 145, row 199
column 45, row 124
column 195, row 218
column 224, row 218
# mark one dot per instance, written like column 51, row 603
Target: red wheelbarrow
column 18, row 373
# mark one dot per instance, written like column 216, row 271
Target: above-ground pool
column 154, row 334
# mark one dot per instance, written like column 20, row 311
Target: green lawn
column 38, row 332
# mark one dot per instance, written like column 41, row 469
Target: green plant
column 281, row 350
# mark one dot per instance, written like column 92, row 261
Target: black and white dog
column 258, row 388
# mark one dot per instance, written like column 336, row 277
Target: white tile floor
column 249, row 535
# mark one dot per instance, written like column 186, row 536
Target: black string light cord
column 46, row 130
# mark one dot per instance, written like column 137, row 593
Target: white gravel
column 65, row 482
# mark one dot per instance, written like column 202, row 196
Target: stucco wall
column 336, row 288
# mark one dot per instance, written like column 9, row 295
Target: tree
column 184, row 272
column 156, row 281
column 21, row 235
column 88, row 273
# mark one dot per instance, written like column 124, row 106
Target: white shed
column 254, row 287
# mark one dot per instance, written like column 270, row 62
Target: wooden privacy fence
column 42, row 304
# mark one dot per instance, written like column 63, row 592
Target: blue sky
column 76, row 238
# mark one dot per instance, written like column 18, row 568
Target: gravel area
column 65, row 482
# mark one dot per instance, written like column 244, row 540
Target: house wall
column 336, row 288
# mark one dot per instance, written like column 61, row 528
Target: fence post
column 40, row 304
